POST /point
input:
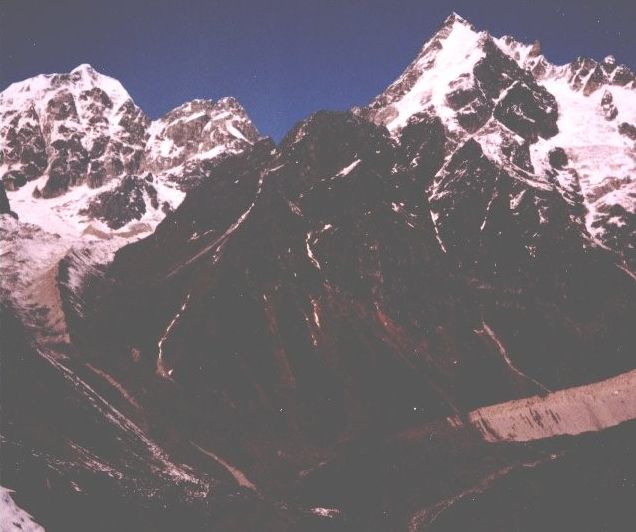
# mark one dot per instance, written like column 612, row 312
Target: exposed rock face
column 584, row 75
column 607, row 103
column 391, row 294
column 24, row 152
column 77, row 128
column 350, row 283
column 5, row 208
column 182, row 141
column 557, row 157
column 589, row 75
column 82, row 129
column 628, row 130
column 531, row 113
column 424, row 140
column 126, row 202
column 468, row 79
column 571, row 122
column 597, row 151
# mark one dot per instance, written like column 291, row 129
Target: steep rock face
column 493, row 215
column 603, row 158
column 303, row 296
column 597, row 102
column 484, row 88
column 119, row 206
column 5, row 207
column 24, row 154
column 306, row 337
column 198, row 132
column 588, row 75
column 584, row 74
column 490, row 111
column 285, row 265
column 70, row 141
column 80, row 127
column 607, row 104
column 466, row 78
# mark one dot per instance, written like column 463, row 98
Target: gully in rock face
column 412, row 315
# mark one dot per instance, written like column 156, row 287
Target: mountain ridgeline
column 64, row 132
column 326, row 313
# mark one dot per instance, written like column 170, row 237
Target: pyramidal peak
column 456, row 18
column 451, row 53
column 503, row 92
column 455, row 23
column 317, row 309
column 461, row 73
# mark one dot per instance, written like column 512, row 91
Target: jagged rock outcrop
column 5, row 208
column 126, row 202
column 627, row 130
column 194, row 134
column 481, row 88
column 306, row 295
column 76, row 128
column 83, row 129
column 323, row 329
column 607, row 103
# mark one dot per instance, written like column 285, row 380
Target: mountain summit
column 414, row 315
column 81, row 134
column 573, row 125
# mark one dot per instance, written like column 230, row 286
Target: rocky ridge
column 386, row 322
column 522, row 111
column 79, row 138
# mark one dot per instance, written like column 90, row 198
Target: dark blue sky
column 282, row 59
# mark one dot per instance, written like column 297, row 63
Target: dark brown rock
column 558, row 158
column 531, row 112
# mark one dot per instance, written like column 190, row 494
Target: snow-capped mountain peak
column 323, row 308
column 84, row 68
column 38, row 88
column 597, row 117
column 456, row 18
column 507, row 97
column 195, row 132
column 75, row 128
column 449, row 54
column 80, row 137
